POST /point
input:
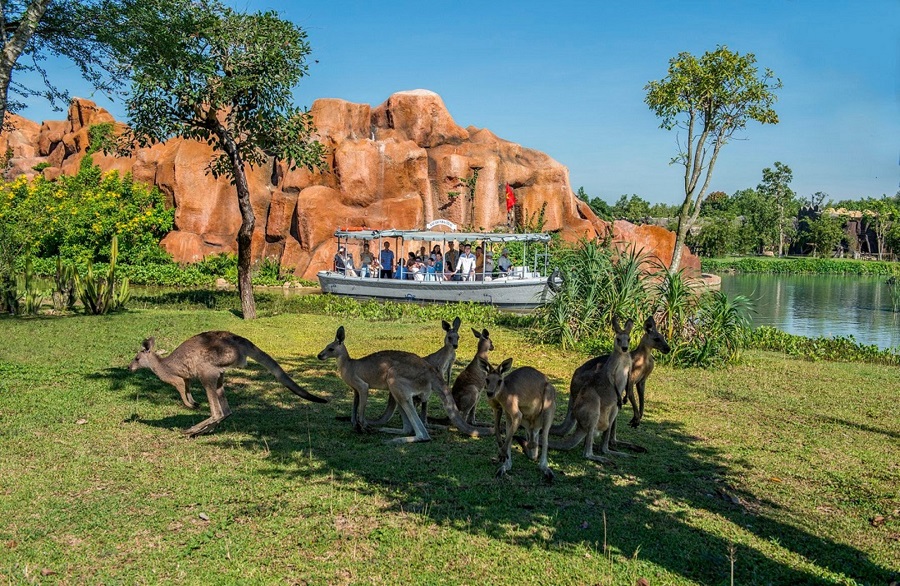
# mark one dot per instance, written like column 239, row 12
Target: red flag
column 510, row 198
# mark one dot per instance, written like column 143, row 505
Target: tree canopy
column 203, row 71
column 711, row 98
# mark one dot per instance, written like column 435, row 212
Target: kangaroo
column 406, row 375
column 471, row 380
column 205, row 357
column 442, row 360
column 527, row 398
column 641, row 367
column 596, row 406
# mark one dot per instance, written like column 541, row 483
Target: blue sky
column 567, row 78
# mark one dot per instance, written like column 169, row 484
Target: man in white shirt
column 503, row 263
column 465, row 265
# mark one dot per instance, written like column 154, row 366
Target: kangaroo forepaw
column 548, row 476
column 635, row 421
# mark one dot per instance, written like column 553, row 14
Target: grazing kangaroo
column 641, row 367
column 442, row 360
column 205, row 357
column 596, row 406
column 467, row 386
column 407, row 377
column 528, row 399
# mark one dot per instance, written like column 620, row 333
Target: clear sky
column 567, row 78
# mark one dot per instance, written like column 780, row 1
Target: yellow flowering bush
column 77, row 216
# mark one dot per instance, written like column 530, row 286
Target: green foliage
column 823, row 235
column 775, row 188
column 635, row 209
column 712, row 98
column 806, row 265
column 601, row 283
column 101, row 295
column 718, row 235
column 100, row 138
column 64, row 292
column 31, row 291
column 75, row 217
column 840, row 348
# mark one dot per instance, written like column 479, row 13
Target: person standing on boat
column 365, row 260
column 439, row 266
column 435, row 252
column 451, row 257
column 387, row 261
column 465, row 266
column 489, row 265
column 479, row 263
column 339, row 266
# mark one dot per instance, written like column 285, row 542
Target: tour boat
column 527, row 284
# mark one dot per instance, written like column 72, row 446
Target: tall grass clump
column 601, row 282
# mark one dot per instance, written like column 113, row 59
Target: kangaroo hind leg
column 404, row 395
column 214, row 384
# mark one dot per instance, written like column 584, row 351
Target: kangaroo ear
column 484, row 365
column 507, row 364
column 485, row 333
column 456, row 322
column 339, row 336
column 445, row 325
column 615, row 324
column 149, row 344
column 650, row 324
column 628, row 325
column 477, row 335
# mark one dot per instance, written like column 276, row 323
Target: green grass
column 792, row 467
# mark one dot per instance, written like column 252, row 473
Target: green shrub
column 76, row 217
column 806, row 265
column 840, row 348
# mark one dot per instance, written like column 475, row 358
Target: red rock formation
column 392, row 166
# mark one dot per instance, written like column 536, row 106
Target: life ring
column 555, row 280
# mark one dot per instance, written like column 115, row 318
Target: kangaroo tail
column 570, row 442
column 438, row 385
column 388, row 413
column 279, row 373
column 565, row 426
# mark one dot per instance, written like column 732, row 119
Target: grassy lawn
column 788, row 469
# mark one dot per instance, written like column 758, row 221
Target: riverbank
column 798, row 266
column 769, row 464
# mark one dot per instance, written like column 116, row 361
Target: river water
column 821, row 305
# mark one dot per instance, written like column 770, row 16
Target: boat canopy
column 433, row 236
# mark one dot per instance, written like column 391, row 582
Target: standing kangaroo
column 527, row 398
column 442, row 360
column 467, row 386
column 205, row 357
column 596, row 406
column 406, row 375
column 641, row 367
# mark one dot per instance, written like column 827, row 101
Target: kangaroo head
column 452, row 337
column 623, row 335
column 332, row 350
column 484, row 340
column 653, row 338
column 495, row 376
column 142, row 360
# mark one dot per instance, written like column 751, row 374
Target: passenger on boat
column 386, row 259
column 503, row 263
column 465, row 266
column 451, row 257
column 366, row 259
column 439, row 267
column 479, row 263
column 489, row 265
column 435, row 252
column 343, row 262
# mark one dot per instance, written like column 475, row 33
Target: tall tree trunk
column 248, row 221
column 14, row 42
column 680, row 237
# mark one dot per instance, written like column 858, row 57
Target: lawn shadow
column 653, row 505
column 860, row 426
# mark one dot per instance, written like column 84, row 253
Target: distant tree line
column 772, row 218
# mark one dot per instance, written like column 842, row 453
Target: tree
column 760, row 227
column 776, row 186
column 823, row 234
column 633, row 209
column 201, row 70
column 880, row 214
column 31, row 31
column 712, row 98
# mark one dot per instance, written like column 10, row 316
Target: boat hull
column 508, row 293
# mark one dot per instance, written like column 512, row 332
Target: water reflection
column 816, row 305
